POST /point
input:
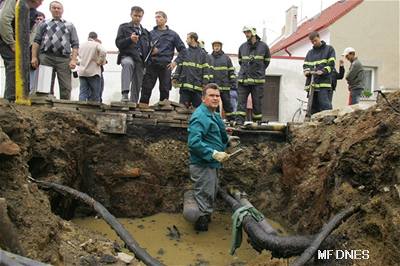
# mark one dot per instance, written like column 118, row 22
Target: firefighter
column 319, row 61
column 254, row 58
column 192, row 73
column 223, row 74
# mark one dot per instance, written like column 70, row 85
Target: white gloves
column 220, row 156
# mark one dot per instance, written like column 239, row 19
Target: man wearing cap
column 254, row 58
column 223, row 74
column 319, row 61
column 355, row 76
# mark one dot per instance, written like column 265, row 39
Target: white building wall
column 291, row 85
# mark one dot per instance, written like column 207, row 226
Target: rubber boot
column 202, row 223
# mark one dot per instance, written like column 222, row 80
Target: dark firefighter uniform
column 223, row 74
column 320, row 58
column 191, row 75
column 254, row 60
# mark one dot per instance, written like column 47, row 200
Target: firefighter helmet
column 253, row 30
column 214, row 42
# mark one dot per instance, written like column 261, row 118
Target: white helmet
column 253, row 30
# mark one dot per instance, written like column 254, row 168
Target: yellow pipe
column 20, row 97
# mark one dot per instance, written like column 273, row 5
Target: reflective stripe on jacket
column 254, row 60
column 223, row 72
column 320, row 58
column 194, row 71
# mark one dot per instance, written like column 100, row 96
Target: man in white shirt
column 93, row 56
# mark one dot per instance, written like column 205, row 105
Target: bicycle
column 300, row 113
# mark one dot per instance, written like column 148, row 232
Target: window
column 369, row 79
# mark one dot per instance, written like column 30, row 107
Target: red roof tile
column 327, row 17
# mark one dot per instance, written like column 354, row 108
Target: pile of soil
column 326, row 166
column 334, row 163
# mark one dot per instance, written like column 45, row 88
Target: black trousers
column 153, row 72
column 257, row 93
column 226, row 103
column 189, row 97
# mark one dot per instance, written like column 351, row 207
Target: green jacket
column 356, row 77
column 206, row 134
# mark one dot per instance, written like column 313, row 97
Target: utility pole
column 22, row 60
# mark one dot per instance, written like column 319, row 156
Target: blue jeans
column 355, row 95
column 90, row 88
column 234, row 99
column 101, row 87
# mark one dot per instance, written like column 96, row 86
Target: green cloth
column 237, row 219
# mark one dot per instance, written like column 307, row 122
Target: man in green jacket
column 207, row 142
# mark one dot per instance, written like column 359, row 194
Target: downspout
column 287, row 51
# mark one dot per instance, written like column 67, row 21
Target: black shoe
column 202, row 223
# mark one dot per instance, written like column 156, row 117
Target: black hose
column 11, row 259
column 326, row 230
column 280, row 246
column 132, row 245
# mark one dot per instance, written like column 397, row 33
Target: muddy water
column 192, row 248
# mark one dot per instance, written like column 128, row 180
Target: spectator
column 93, row 56
column 102, row 75
column 7, row 41
column 33, row 75
column 355, row 76
column 160, row 64
column 58, row 42
column 133, row 42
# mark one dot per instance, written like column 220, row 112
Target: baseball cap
column 348, row 50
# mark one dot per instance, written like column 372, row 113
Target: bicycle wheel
column 297, row 116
